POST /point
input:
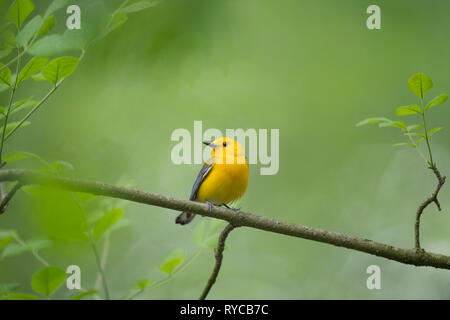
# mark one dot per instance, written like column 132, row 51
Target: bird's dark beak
column 209, row 144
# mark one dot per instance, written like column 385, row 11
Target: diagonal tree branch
column 406, row 256
column 219, row 256
column 426, row 203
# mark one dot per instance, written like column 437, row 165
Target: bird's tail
column 184, row 218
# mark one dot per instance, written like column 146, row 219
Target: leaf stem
column 426, row 135
column 13, row 91
column 32, row 251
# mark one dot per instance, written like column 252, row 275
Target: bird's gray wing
column 206, row 169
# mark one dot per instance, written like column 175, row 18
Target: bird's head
column 227, row 150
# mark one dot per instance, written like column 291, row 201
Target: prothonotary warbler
column 222, row 179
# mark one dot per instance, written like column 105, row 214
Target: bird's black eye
column 224, row 144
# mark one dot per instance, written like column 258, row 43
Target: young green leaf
column 138, row 6
column 48, row 25
column 172, row 260
column 414, row 127
column 37, row 244
column 12, row 250
column 432, row 131
column 401, row 144
column 415, row 134
column 13, row 125
column 47, row 280
column 59, row 68
column 5, row 240
column 20, row 155
column 419, row 84
column 141, row 285
column 407, row 110
column 19, row 11
column 107, row 221
column 82, row 295
column 60, row 165
column 28, row 31
column 397, row 124
column 33, row 66
column 437, row 100
column 372, row 120
column 5, row 75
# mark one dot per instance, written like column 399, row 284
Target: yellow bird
column 222, row 179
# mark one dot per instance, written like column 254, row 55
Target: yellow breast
column 224, row 183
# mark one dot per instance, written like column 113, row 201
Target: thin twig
column 8, row 197
column 406, row 256
column 426, row 203
column 219, row 257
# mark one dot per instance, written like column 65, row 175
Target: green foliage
column 47, row 280
column 172, row 260
column 23, row 35
column 5, row 75
column 107, row 221
column 59, row 68
column 32, row 67
column 419, row 84
column 19, row 11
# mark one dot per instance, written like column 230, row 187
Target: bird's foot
column 210, row 205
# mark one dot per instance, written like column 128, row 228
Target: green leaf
column 371, row 120
column 419, row 141
column 401, row 144
column 15, row 156
column 107, row 221
column 28, row 31
column 5, row 240
column 415, row 134
column 60, row 165
column 37, row 244
column 19, row 11
column 138, row 6
column 3, row 87
column 437, row 100
column 397, row 124
column 414, row 127
column 59, row 68
column 47, row 280
column 117, row 21
column 48, row 25
column 432, row 131
column 84, row 294
column 200, row 232
column 419, row 84
column 8, row 287
column 21, row 296
column 32, row 67
column 141, row 285
column 5, row 75
column 172, row 260
column 10, row 126
column 407, row 110
column 12, row 250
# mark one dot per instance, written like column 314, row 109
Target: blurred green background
column 309, row 68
